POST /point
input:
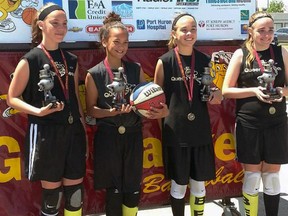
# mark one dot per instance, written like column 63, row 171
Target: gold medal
column 70, row 119
column 272, row 110
column 121, row 129
column 190, row 116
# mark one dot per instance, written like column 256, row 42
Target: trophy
column 206, row 80
column 46, row 84
column 118, row 86
column 268, row 76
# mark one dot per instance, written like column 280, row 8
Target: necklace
column 65, row 87
column 189, row 88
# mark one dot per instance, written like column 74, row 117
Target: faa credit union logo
column 77, row 9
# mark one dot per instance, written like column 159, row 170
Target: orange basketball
column 28, row 15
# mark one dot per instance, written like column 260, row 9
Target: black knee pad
column 51, row 200
column 73, row 197
column 131, row 200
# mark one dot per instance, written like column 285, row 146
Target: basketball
column 28, row 15
column 146, row 95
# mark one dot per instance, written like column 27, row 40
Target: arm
column 142, row 77
column 17, row 87
column 284, row 90
column 156, row 113
column 230, row 89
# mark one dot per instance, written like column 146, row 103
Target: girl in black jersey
column 118, row 142
column 186, row 131
column 261, row 121
column 55, row 147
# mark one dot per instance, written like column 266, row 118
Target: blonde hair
column 249, row 41
column 113, row 20
column 172, row 43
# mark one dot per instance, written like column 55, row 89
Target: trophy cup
column 46, row 84
column 118, row 86
column 206, row 80
column 268, row 76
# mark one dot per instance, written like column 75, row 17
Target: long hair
column 248, row 43
column 113, row 20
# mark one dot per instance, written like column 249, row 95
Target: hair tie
column 44, row 13
column 260, row 17
column 179, row 16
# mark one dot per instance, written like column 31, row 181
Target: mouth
column 119, row 51
column 11, row 2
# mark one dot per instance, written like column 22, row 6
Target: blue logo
column 140, row 24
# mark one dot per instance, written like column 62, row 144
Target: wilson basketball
column 146, row 95
column 28, row 15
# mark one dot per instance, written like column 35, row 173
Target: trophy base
column 205, row 98
column 273, row 95
column 50, row 100
column 118, row 106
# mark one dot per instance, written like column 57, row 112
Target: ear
column 104, row 43
column 40, row 24
column 250, row 30
column 173, row 34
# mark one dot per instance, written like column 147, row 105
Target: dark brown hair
column 113, row 20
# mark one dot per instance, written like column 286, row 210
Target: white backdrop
column 145, row 19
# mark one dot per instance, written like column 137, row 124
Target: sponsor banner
column 25, row 197
column 145, row 19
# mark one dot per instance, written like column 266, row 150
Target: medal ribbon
column 110, row 73
column 190, row 87
column 258, row 58
column 108, row 69
column 66, row 87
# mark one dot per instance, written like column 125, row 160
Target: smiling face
column 262, row 33
column 185, row 32
column 54, row 27
column 116, row 44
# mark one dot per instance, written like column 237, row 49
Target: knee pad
column 177, row 191
column 73, row 197
column 251, row 182
column 197, row 188
column 131, row 200
column 271, row 183
column 51, row 200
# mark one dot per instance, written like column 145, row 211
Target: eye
column 184, row 30
column 116, row 42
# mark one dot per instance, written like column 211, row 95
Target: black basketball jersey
column 252, row 108
column 37, row 59
column 177, row 128
column 105, row 95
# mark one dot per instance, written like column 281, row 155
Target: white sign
column 145, row 19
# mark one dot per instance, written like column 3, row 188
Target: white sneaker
column 17, row 13
column 7, row 25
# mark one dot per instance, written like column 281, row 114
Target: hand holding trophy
column 118, row 88
column 206, row 80
column 268, row 76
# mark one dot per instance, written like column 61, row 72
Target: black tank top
column 177, row 129
column 105, row 96
column 36, row 59
column 251, row 109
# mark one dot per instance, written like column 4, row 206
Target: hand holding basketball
column 145, row 97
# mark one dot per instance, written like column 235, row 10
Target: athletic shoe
column 7, row 25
